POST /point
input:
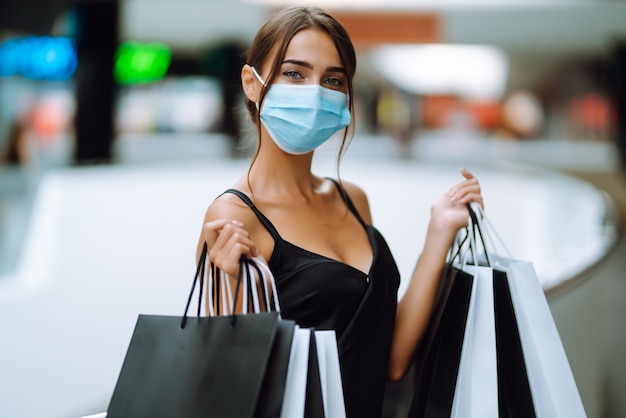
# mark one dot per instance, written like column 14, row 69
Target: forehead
column 314, row 46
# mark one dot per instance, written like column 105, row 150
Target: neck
column 277, row 173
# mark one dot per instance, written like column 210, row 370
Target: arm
column 448, row 215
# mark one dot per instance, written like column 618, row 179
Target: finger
column 228, row 256
column 236, row 237
column 227, row 233
column 233, row 238
column 471, row 181
column 469, row 186
column 228, row 259
column 465, row 173
column 463, row 189
column 473, row 197
column 213, row 228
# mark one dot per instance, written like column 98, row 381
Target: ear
column 251, row 85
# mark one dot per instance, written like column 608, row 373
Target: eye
column 334, row 82
column 293, row 75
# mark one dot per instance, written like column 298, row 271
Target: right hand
column 227, row 241
column 451, row 208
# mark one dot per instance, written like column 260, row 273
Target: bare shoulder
column 359, row 198
column 229, row 206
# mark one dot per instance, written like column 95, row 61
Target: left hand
column 451, row 207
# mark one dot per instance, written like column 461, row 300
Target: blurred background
column 119, row 86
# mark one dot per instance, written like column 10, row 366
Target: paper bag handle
column 245, row 284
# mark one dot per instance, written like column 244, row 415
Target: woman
column 333, row 268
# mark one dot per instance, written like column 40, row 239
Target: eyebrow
column 310, row 67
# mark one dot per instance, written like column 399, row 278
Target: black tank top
column 323, row 293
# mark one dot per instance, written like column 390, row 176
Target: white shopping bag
column 476, row 392
column 550, row 377
column 552, row 384
column 295, row 387
column 330, row 374
column 330, row 387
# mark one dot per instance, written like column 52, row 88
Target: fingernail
column 238, row 223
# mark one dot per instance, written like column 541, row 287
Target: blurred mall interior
column 121, row 120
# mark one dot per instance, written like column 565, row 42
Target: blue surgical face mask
column 300, row 118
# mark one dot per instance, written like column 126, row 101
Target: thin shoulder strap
column 346, row 198
column 266, row 222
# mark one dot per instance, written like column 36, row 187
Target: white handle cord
column 255, row 273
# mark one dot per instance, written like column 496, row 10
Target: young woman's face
column 312, row 58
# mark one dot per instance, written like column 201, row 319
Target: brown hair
column 276, row 34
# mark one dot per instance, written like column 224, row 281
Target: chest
column 338, row 235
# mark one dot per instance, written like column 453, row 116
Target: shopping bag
column 203, row 366
column 439, row 355
column 513, row 393
column 476, row 391
column 457, row 359
column 552, row 386
column 208, row 368
column 314, row 386
column 297, row 372
column 314, row 403
column 275, row 380
column 514, row 397
column 330, row 374
column 492, row 379
column 303, row 390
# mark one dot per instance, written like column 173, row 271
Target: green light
column 141, row 63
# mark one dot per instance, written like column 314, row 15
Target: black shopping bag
column 208, row 368
column 273, row 387
column 314, row 404
column 440, row 352
column 514, row 397
column 219, row 366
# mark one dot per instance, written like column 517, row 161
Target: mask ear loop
column 260, row 80
column 258, row 76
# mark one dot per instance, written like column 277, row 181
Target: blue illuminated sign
column 38, row 58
